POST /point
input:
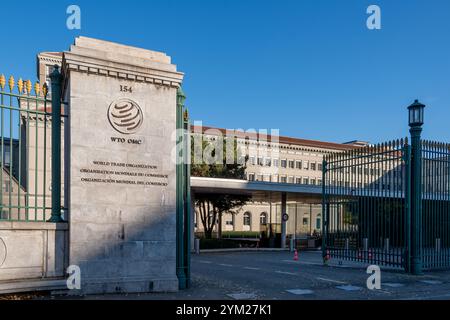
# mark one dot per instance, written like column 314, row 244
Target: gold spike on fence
column 2, row 81
column 20, row 85
column 37, row 88
column 28, row 86
column 45, row 89
column 11, row 83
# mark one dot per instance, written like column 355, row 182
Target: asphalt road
column 274, row 275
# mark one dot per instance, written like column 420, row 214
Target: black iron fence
column 367, row 200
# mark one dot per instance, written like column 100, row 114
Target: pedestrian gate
column 367, row 205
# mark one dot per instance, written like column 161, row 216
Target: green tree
column 212, row 206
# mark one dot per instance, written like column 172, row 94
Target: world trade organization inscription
column 124, row 173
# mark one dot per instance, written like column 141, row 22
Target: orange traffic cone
column 295, row 255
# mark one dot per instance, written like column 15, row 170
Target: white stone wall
column 122, row 235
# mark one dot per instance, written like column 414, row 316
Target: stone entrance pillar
column 122, row 117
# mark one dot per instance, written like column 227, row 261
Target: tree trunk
column 219, row 227
column 208, row 234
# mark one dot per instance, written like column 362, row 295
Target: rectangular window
column 291, row 180
column 298, row 165
column 229, row 222
column 313, row 166
column 252, row 161
column 7, row 186
column 283, row 179
column 268, row 162
column 7, row 158
column 319, row 182
column 251, row 177
column 4, row 214
column 306, row 165
column 298, row 180
column 319, row 167
column 305, row 221
column 291, row 164
column 305, row 180
column 283, row 163
column 318, row 224
column 312, row 182
column 276, row 163
column 260, row 162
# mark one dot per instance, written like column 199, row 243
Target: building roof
column 54, row 54
column 281, row 139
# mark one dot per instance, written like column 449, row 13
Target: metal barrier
column 30, row 186
column 389, row 204
column 435, row 205
column 365, row 196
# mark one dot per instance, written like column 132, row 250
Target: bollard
column 365, row 246
column 386, row 244
column 197, row 246
column 438, row 245
column 292, row 245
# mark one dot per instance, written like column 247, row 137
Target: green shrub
column 218, row 244
column 240, row 234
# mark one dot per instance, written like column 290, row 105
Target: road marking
column 393, row 284
column 251, row 268
column 349, row 288
column 284, row 272
column 433, row 282
column 330, row 280
column 204, row 261
column 304, row 262
column 300, row 291
column 242, row 296
column 442, row 296
column 225, row 265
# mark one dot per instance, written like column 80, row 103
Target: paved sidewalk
column 275, row 275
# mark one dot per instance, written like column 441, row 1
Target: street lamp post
column 416, row 115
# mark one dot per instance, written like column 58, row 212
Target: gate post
column 181, row 272
column 187, row 197
column 415, row 123
column 324, row 212
column 56, row 79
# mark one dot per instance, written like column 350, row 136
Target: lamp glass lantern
column 416, row 114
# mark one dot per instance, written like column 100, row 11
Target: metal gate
column 381, row 207
column 31, row 126
column 365, row 195
column 435, row 231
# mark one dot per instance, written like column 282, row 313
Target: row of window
column 291, row 164
column 247, row 218
column 284, row 179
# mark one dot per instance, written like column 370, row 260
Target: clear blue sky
column 308, row 67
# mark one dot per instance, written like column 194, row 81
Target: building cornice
column 73, row 62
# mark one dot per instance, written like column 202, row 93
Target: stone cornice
column 107, row 68
column 51, row 60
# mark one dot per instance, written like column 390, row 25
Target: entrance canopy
column 260, row 191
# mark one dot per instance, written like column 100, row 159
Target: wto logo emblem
column 125, row 116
